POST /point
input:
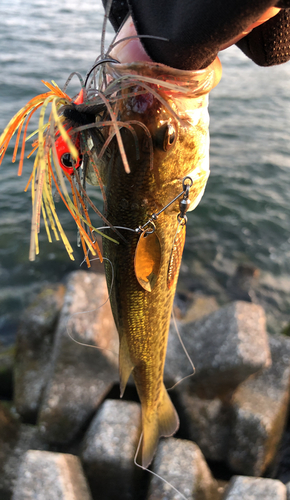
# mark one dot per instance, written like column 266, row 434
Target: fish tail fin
column 163, row 422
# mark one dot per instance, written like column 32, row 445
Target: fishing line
column 134, row 37
column 106, row 16
column 154, row 473
column 83, row 343
column 93, row 310
column 185, row 352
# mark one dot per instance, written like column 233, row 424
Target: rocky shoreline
column 65, row 434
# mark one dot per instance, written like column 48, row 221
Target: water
column 244, row 216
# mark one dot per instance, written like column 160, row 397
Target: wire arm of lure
column 183, row 205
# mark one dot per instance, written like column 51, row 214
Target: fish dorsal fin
column 125, row 365
column 163, row 422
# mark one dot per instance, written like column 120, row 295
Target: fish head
column 169, row 141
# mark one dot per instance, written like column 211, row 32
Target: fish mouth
column 176, row 81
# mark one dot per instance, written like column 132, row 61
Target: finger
column 273, row 11
column 128, row 50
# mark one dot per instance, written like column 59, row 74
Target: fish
column 145, row 196
column 139, row 132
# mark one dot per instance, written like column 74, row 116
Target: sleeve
column 194, row 30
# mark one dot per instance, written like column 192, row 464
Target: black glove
column 196, row 29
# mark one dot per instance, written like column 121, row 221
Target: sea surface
column 244, row 217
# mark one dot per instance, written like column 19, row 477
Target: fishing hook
column 102, row 61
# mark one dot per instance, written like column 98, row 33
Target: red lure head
column 62, row 150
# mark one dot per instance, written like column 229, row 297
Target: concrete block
column 191, row 306
column 7, row 355
column 226, row 347
column 80, row 375
column 33, row 349
column 15, row 440
column 288, row 491
column 280, row 467
column 208, row 423
column 181, row 463
column 255, row 488
column 260, row 409
column 45, row 475
column 109, row 448
column 241, row 285
column 9, row 435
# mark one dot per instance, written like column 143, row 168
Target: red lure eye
column 63, row 153
column 64, row 157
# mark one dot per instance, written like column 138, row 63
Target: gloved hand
column 197, row 29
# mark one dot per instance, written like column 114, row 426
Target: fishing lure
column 148, row 251
column 65, row 159
column 56, row 146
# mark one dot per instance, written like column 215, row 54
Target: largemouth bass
column 178, row 126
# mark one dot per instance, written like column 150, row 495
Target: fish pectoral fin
column 125, row 365
column 164, row 422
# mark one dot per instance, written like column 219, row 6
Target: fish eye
column 166, row 136
column 169, row 137
column 66, row 160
